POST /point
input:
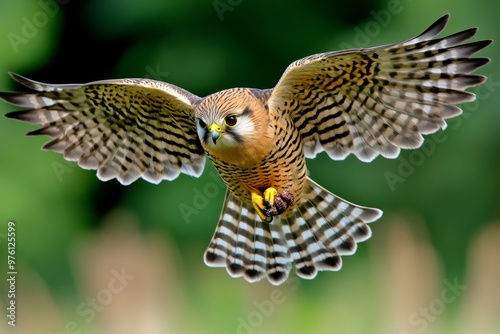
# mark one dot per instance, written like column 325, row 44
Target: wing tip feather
column 435, row 28
column 20, row 115
column 31, row 84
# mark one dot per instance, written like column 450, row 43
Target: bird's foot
column 272, row 204
column 260, row 207
column 269, row 195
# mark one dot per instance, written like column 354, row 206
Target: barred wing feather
column 378, row 100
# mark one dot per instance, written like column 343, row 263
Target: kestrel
column 363, row 101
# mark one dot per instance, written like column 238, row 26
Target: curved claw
column 260, row 207
column 269, row 195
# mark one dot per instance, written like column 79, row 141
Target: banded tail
column 314, row 237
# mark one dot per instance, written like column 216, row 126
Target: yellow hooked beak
column 215, row 131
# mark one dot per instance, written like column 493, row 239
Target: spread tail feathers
column 313, row 237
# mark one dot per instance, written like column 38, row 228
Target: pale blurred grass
column 379, row 294
column 480, row 307
column 407, row 269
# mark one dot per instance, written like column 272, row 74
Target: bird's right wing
column 125, row 129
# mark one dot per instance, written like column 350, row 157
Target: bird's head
column 233, row 122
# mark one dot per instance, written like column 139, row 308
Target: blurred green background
column 74, row 233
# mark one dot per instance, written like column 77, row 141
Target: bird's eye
column 202, row 124
column 231, row 120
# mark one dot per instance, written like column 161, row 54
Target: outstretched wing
column 378, row 100
column 125, row 129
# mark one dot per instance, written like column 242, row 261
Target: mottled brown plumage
column 272, row 156
column 361, row 101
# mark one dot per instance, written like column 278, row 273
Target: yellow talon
column 269, row 195
column 258, row 201
column 259, row 205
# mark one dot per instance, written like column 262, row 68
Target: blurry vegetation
column 453, row 186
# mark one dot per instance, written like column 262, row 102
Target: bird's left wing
column 379, row 100
column 125, row 129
